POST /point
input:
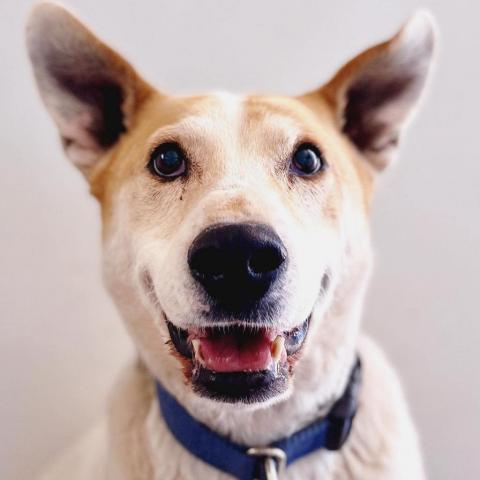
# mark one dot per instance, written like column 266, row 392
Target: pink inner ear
column 76, row 130
column 377, row 103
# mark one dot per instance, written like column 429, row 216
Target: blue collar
column 245, row 463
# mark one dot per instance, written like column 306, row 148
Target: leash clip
column 275, row 460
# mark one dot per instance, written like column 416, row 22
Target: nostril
column 266, row 260
column 207, row 263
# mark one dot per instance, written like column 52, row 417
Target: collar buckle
column 275, row 460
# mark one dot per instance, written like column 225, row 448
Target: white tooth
column 277, row 348
column 197, row 351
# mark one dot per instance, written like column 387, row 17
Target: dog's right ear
column 373, row 96
column 90, row 91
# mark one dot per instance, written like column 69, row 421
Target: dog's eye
column 168, row 161
column 307, row 160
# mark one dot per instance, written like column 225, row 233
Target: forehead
column 247, row 121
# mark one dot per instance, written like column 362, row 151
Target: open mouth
column 239, row 363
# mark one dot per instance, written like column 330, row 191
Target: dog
column 236, row 247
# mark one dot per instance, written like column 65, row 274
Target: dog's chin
column 242, row 364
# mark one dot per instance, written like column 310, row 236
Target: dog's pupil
column 170, row 159
column 306, row 160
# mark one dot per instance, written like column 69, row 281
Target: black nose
column 237, row 263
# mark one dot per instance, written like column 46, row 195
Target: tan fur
column 239, row 149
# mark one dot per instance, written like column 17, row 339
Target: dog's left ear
column 91, row 92
column 375, row 93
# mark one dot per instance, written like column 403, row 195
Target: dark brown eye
column 307, row 160
column 168, row 161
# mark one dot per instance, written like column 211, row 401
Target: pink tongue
column 228, row 353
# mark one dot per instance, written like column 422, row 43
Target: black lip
column 180, row 341
column 244, row 387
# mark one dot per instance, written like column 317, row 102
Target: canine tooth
column 197, row 352
column 277, row 348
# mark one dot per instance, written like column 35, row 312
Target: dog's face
column 235, row 227
column 237, row 214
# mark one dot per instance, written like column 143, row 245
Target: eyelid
column 308, row 142
column 164, row 141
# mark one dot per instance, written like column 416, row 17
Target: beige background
column 61, row 343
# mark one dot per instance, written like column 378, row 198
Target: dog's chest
column 170, row 461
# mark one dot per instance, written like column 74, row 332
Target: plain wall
column 61, row 342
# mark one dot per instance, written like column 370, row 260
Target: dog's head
column 235, row 227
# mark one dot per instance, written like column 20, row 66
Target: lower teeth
column 197, row 353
